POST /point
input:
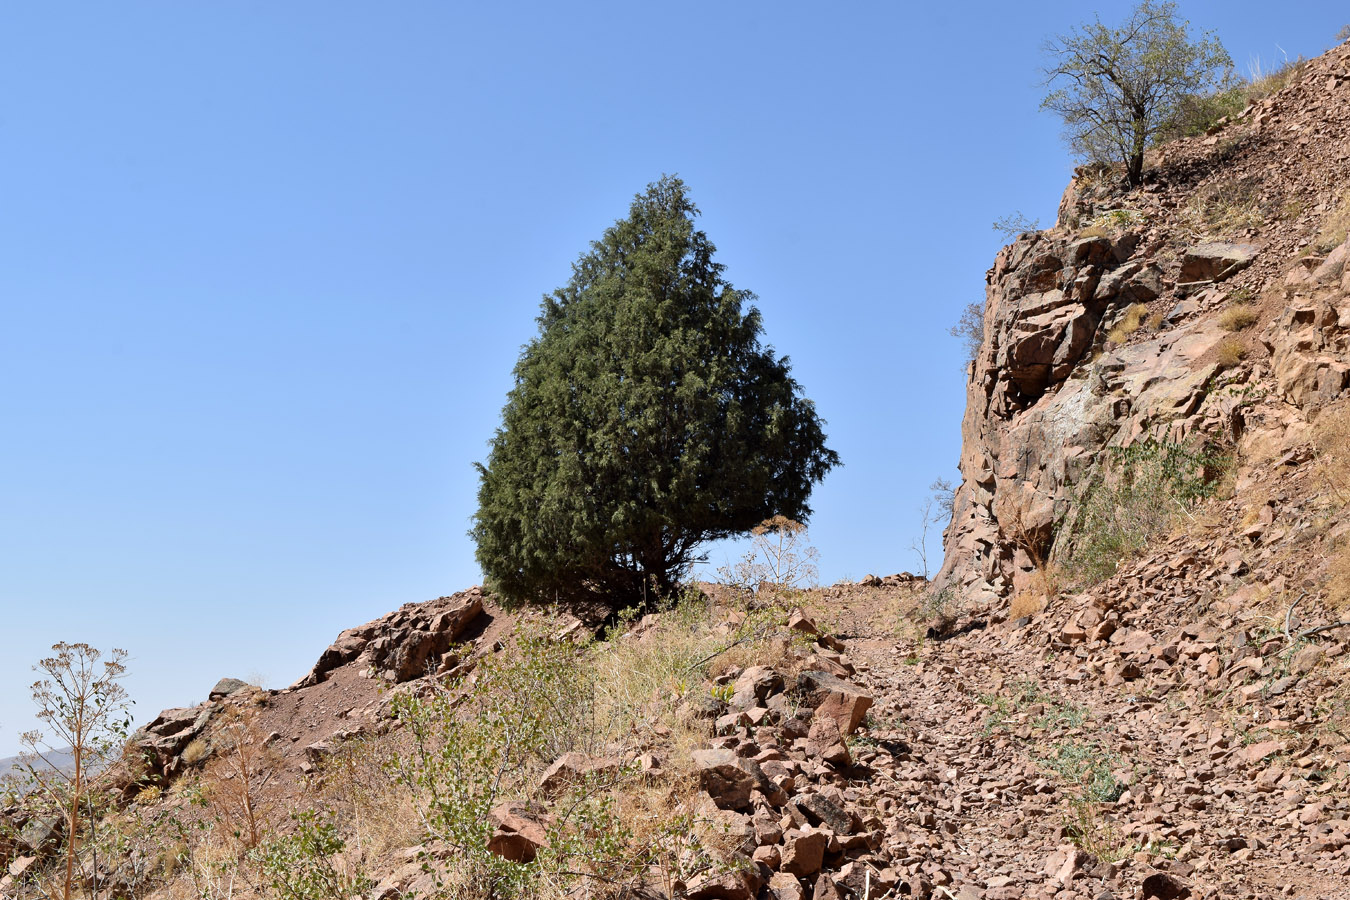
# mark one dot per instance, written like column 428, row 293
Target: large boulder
column 803, row 852
column 1215, row 261
column 405, row 644
column 754, row 686
column 225, row 687
column 730, row 780
column 737, row 884
column 840, row 703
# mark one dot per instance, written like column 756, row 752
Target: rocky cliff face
column 1108, row 328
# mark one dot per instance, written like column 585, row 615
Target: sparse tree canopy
column 646, row 419
column 1117, row 88
column 970, row 329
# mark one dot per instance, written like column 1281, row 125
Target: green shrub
column 1141, row 492
column 1090, row 768
column 1197, row 113
column 475, row 745
column 306, row 864
column 471, row 745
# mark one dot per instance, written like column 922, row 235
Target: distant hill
column 62, row 758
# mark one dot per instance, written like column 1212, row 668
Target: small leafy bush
column 970, row 330
column 1116, row 219
column 474, row 743
column 1089, row 767
column 306, row 864
column 1198, row 113
column 473, row 746
column 1015, row 224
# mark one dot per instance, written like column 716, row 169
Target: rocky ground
column 1162, row 735
column 1010, row 727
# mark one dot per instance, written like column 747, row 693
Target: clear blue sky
column 265, row 268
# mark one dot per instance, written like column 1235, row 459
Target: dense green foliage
column 1118, row 88
column 646, row 418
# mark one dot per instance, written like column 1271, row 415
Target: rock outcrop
column 1072, row 364
column 405, row 644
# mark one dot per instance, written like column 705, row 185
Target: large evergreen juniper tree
column 646, row 419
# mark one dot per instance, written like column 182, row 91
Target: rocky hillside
column 1110, row 327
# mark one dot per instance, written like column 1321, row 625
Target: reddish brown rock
column 520, row 832
column 727, row 778
column 786, row 887
column 573, row 769
column 803, row 853
column 839, row 702
column 738, row 884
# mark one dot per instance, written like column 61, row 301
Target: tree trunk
column 1135, row 164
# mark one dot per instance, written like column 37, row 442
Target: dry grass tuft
column 1128, row 324
column 1335, row 227
column 1338, row 580
column 1228, row 205
column 381, row 811
column 1263, row 83
column 1027, row 603
column 196, row 751
column 1238, row 316
column 1331, row 444
column 1231, row 351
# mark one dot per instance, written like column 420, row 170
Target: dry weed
column 1027, row 603
column 1238, row 316
column 1228, row 205
column 1338, row 580
column 196, row 751
column 381, row 811
column 235, row 783
column 1331, row 444
column 1129, row 323
column 1335, row 227
column 1231, row 351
